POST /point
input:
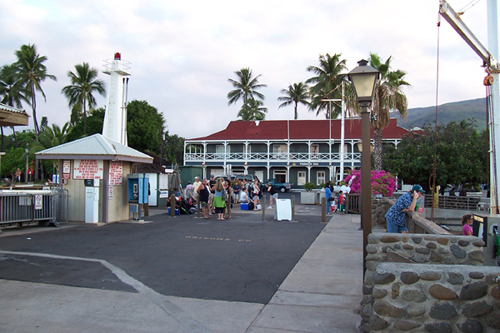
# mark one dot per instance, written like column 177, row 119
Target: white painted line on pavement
column 171, row 309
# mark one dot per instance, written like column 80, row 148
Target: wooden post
column 172, row 205
column 198, row 207
column 263, row 204
column 323, row 209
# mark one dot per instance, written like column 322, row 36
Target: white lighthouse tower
column 115, row 118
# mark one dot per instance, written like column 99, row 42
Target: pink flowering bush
column 382, row 182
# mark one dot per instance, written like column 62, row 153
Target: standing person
column 466, row 225
column 273, row 194
column 236, row 191
column 341, row 202
column 190, row 193
column 218, row 200
column 203, row 194
column 329, row 197
column 211, row 186
column 196, row 184
column 18, row 175
column 396, row 215
column 227, row 196
column 255, row 193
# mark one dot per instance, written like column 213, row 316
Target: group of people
column 216, row 195
column 334, row 202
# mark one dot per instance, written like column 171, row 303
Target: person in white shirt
column 244, row 196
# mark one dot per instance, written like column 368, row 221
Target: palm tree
column 326, row 84
column 51, row 137
column 245, row 88
column 11, row 93
column 84, row 82
column 253, row 110
column 296, row 93
column 388, row 98
column 31, row 72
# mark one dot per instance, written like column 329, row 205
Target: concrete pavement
column 320, row 294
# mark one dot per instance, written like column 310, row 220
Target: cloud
column 182, row 53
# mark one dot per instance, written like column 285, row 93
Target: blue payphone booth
column 138, row 191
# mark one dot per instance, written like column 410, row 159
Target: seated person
column 244, row 196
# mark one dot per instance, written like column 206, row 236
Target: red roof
column 299, row 130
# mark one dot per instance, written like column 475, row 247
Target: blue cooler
column 177, row 211
column 244, row 206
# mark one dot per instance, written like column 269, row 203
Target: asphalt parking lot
column 243, row 259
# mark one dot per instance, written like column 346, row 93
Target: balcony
column 264, row 157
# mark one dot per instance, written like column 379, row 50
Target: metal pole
column 27, row 154
column 366, row 197
column 342, row 130
column 492, row 10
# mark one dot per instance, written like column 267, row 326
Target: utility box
column 487, row 226
column 91, row 200
column 138, row 191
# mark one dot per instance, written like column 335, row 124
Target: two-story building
column 295, row 151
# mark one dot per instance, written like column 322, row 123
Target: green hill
column 456, row 111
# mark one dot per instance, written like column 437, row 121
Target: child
column 466, row 225
column 341, row 202
column 334, row 207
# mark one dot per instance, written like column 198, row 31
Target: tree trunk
column 15, row 137
column 84, row 117
column 377, row 151
column 3, row 146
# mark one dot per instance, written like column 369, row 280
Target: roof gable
column 96, row 147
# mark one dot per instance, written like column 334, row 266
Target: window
column 280, row 151
column 314, row 151
column 339, row 176
column 320, row 177
column 219, row 151
column 301, row 178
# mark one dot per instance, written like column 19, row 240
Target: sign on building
column 115, row 173
column 88, row 169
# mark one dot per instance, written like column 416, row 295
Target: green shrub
column 309, row 186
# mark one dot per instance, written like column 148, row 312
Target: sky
column 182, row 53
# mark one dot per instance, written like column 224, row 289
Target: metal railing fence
column 25, row 207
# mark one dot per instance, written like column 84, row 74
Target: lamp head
column 364, row 78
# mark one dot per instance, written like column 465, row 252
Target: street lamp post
column 26, row 150
column 363, row 79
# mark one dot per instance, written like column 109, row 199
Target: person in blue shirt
column 396, row 215
column 328, row 195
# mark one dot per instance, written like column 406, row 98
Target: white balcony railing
column 295, row 157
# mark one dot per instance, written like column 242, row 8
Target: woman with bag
column 329, row 197
column 219, row 202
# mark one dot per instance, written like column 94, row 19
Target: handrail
column 271, row 156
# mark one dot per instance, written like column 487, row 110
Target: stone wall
column 432, row 298
column 423, row 249
column 380, row 206
column 429, row 283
